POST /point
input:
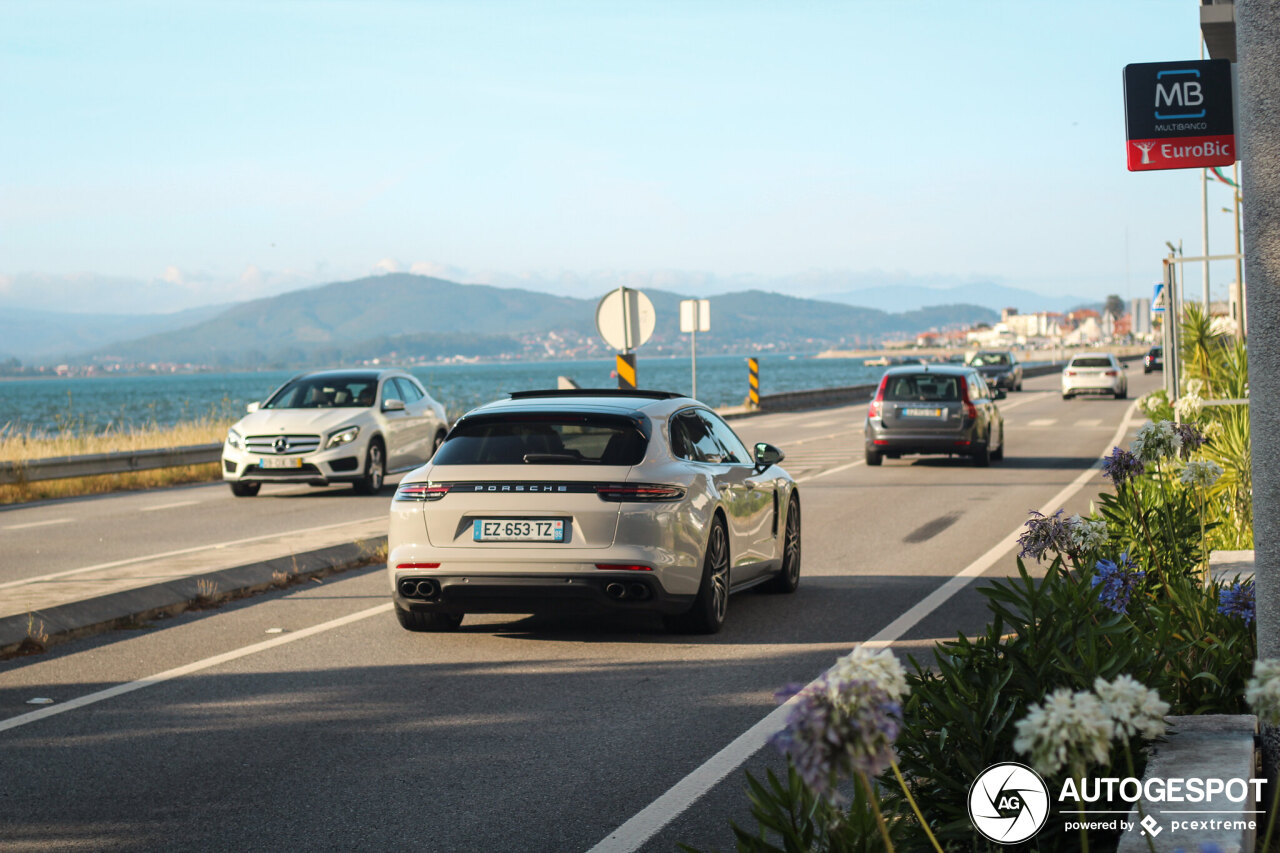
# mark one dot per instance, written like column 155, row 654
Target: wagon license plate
column 518, row 530
column 280, row 462
column 922, row 413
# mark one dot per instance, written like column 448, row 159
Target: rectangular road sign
column 1157, row 299
column 695, row 315
column 1179, row 115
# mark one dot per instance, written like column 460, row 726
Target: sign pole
column 694, row 353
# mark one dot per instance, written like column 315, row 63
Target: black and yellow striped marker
column 753, row 379
column 627, row 371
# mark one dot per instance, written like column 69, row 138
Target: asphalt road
column 307, row 719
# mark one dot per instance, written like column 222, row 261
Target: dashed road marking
column 173, row 505
column 30, row 524
column 197, row 666
column 1042, row 422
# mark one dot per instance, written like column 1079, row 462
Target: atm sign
column 1179, row 115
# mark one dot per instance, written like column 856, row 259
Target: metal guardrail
column 817, row 398
column 61, row 467
column 93, row 464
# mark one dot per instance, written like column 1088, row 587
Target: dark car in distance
column 935, row 409
column 1000, row 368
column 1153, row 360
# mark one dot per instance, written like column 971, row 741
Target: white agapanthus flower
column 1151, row 402
column 880, row 668
column 1156, row 441
column 1135, row 709
column 1200, row 473
column 1188, row 408
column 1263, row 690
column 1069, row 730
column 1194, row 387
column 1087, row 534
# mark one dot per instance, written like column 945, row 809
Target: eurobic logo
column 1009, row 803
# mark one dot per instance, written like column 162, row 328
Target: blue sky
column 156, row 156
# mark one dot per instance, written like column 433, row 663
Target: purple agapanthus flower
column 1238, row 600
column 838, row 728
column 1045, row 533
column 1116, row 582
column 1122, row 466
column 1192, row 437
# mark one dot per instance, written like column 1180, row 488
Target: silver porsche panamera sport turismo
column 591, row 501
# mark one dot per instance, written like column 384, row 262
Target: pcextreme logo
column 1008, row 803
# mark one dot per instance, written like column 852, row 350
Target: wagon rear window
column 922, row 387
column 543, row 440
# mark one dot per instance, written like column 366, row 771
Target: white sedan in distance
column 334, row 426
column 1095, row 373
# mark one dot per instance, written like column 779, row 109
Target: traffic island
column 35, row 631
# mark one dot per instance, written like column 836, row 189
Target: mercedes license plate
column 280, row 462
column 518, row 530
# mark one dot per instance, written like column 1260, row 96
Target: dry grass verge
column 25, row 445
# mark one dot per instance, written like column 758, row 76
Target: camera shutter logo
column 1008, row 803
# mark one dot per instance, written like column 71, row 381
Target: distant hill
column 985, row 294
column 49, row 336
column 417, row 316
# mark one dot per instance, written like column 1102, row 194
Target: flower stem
column 912, row 800
column 875, row 809
column 1271, row 815
column 1128, row 759
column 1084, row 833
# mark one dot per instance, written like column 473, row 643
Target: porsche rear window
column 543, row 440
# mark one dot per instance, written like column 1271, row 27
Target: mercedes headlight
column 235, row 439
column 342, row 436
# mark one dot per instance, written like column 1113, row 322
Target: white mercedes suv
column 334, row 426
column 591, row 501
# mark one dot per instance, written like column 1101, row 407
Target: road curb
column 32, row 632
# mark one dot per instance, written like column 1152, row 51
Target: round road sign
column 625, row 319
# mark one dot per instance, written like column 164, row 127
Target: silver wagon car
column 591, row 501
column 934, row 409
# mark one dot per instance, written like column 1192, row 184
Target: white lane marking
column 177, row 672
column 29, row 524
column 1043, row 422
column 1026, row 397
column 1089, row 422
column 823, row 424
column 824, row 437
column 173, row 505
column 650, row 820
column 182, row 551
column 809, row 477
